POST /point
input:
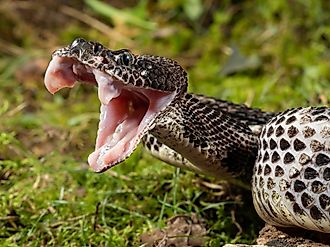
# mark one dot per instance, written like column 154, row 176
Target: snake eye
column 126, row 58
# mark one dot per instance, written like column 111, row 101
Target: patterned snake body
column 291, row 181
column 144, row 98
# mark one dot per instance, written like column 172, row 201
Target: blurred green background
column 268, row 54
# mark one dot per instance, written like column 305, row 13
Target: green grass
column 269, row 54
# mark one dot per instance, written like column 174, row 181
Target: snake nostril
column 77, row 42
column 97, row 48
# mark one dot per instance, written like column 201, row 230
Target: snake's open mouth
column 126, row 111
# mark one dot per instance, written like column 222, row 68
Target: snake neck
column 253, row 117
column 215, row 143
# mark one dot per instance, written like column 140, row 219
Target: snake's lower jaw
column 126, row 111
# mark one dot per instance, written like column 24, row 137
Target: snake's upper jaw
column 126, row 111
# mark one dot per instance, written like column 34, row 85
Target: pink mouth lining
column 126, row 111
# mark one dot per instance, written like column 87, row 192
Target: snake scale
column 144, row 98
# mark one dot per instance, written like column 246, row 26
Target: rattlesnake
column 144, row 97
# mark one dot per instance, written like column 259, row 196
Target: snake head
column 133, row 90
column 143, row 71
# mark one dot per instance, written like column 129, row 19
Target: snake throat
column 126, row 111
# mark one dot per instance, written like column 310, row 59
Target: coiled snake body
column 144, row 98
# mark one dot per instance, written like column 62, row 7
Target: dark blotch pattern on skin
column 300, row 160
column 291, row 120
column 266, row 157
column 289, row 196
column 325, row 202
column 306, row 200
column 284, row 144
column 288, row 158
column 275, row 157
column 298, row 145
column 279, row 131
column 316, row 213
column 267, row 170
column 318, row 187
column 310, row 173
column 297, row 209
column 279, row 172
column 270, row 131
column 292, row 131
column 270, row 183
column 299, row 186
column 326, row 174
column 272, row 144
column 308, row 132
column 316, row 146
column 322, row 159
